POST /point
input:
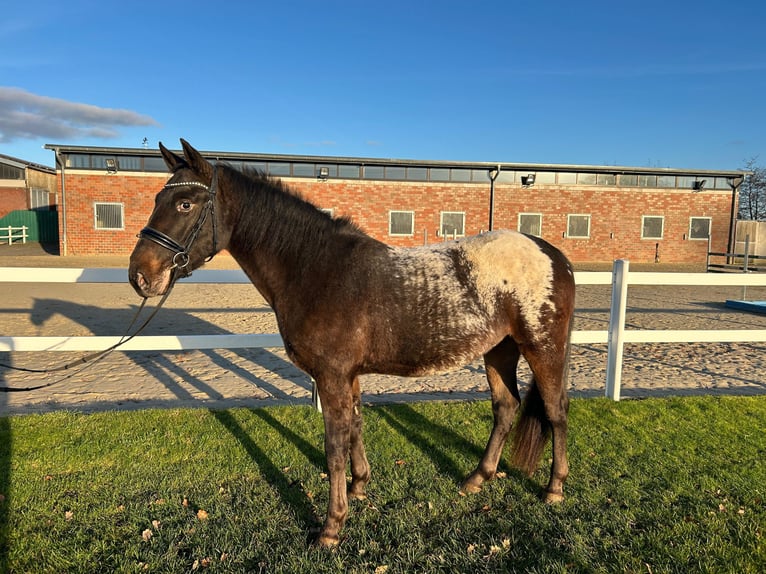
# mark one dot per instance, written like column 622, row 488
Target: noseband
column 181, row 252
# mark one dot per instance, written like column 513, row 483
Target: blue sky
column 665, row 84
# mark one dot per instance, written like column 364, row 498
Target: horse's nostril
column 141, row 280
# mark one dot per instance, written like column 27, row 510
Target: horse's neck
column 271, row 257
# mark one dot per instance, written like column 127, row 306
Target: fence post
column 24, row 233
column 616, row 328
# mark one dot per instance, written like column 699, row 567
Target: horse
column 348, row 305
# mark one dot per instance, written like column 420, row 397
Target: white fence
column 10, row 234
column 615, row 337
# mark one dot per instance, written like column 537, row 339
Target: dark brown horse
column 348, row 305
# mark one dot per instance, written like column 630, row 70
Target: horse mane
column 282, row 216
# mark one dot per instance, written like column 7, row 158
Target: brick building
column 25, row 185
column 593, row 213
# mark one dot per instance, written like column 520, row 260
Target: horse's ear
column 196, row 162
column 173, row 161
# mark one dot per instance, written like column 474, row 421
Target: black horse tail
column 532, row 432
column 533, row 429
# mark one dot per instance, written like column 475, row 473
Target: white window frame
column 96, row 219
column 390, row 222
column 662, row 227
column 709, row 228
column 569, row 225
column 461, row 232
column 539, row 222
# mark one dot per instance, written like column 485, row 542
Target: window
column 606, row 179
column 531, row 223
column 452, row 223
column 647, row 181
column 461, row 174
column 587, row 178
column 628, row 179
column 396, row 172
column 401, row 222
column 279, row 168
column 109, row 215
column 39, row 199
column 417, row 173
column 303, row 170
column 578, row 226
column 348, row 171
column 699, row 227
column 374, row 171
column 652, row 226
column 666, row 181
column 567, row 178
column 439, row 174
column 545, row 177
column 10, row 172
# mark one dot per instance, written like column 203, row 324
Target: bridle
column 180, row 262
column 181, row 252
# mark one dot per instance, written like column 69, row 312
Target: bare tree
column 752, row 192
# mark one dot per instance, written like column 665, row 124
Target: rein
column 86, row 360
column 180, row 262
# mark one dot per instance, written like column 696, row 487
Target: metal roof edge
column 504, row 166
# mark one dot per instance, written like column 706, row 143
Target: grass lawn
column 657, row 485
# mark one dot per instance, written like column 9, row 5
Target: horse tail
column 532, row 432
column 533, row 429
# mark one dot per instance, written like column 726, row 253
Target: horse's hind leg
column 500, row 362
column 360, row 468
column 549, row 383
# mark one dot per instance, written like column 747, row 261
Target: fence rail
column 615, row 337
column 10, row 234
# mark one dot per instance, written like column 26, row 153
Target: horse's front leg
column 360, row 468
column 337, row 411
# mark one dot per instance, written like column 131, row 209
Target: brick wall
column 12, row 197
column 615, row 213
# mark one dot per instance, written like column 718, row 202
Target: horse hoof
column 553, row 498
column 325, row 541
column 470, row 487
column 357, row 495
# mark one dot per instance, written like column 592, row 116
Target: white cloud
column 24, row 115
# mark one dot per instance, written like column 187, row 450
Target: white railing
column 10, row 234
column 615, row 337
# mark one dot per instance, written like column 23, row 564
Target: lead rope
column 91, row 359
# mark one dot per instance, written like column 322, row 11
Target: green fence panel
column 42, row 226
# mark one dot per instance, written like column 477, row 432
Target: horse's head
column 183, row 231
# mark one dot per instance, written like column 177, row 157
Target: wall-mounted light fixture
column 111, row 165
column 699, row 185
column 527, row 180
column 324, row 172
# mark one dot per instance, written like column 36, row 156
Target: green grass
column 660, row 485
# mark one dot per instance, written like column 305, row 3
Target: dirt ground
column 223, row 378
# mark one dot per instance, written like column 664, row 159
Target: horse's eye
column 184, row 205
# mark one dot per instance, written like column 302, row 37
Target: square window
column 699, row 227
column 578, row 226
column 652, row 226
column 531, row 223
column 452, row 223
column 109, row 215
column 401, row 223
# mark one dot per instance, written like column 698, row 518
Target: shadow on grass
column 430, row 438
column 5, row 483
column 291, row 496
column 314, row 455
column 435, row 440
column 6, row 444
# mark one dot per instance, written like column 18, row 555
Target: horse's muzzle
column 149, row 285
